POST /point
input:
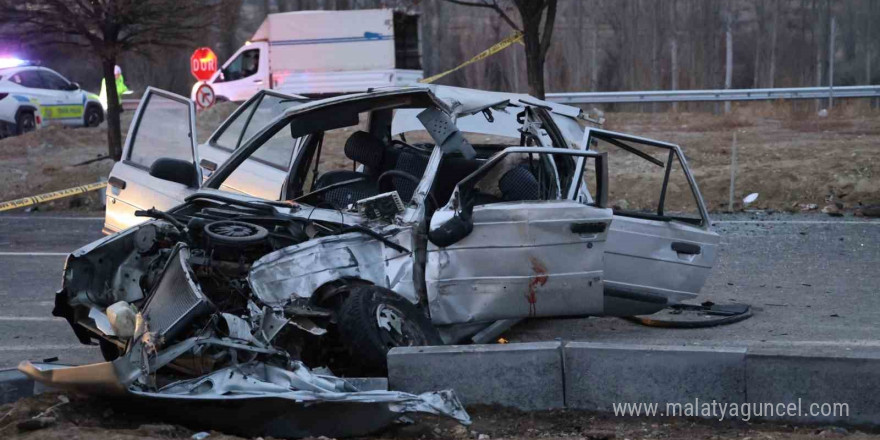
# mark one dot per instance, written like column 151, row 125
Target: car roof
column 9, row 71
column 456, row 100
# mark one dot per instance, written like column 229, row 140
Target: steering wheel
column 413, row 147
column 329, row 187
column 398, row 173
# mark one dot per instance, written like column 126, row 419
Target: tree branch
column 493, row 5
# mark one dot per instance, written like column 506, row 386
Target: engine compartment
column 187, row 271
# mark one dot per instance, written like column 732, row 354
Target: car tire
column 25, row 122
column 93, row 116
column 368, row 340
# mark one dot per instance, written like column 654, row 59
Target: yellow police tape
column 517, row 37
column 54, row 195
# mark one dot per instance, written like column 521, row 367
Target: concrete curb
column 14, row 385
column 525, row 376
column 594, row 376
column 804, row 378
column 600, row 375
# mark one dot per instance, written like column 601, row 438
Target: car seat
column 519, row 184
column 364, row 148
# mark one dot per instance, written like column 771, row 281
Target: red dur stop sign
column 203, row 63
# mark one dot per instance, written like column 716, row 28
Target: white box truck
column 317, row 53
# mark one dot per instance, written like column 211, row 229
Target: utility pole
column 774, row 38
column 674, row 49
column 817, row 38
column 728, row 73
column 831, row 63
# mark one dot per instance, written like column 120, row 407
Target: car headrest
column 365, row 148
column 519, row 184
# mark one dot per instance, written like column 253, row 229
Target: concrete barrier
column 14, row 385
column 526, row 376
column 816, row 376
column 599, row 375
column 593, row 376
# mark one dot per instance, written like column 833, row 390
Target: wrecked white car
column 455, row 214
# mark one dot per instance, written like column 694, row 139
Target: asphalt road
column 813, row 281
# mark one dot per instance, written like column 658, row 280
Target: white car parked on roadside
column 33, row 96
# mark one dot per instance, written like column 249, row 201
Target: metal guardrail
column 690, row 95
column 131, row 104
column 714, row 95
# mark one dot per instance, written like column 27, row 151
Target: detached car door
column 660, row 247
column 531, row 251
column 159, row 162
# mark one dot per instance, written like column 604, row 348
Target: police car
column 33, row 96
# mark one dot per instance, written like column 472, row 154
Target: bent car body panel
column 298, row 271
column 521, row 260
column 639, row 258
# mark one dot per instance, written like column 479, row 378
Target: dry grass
column 787, row 156
column 47, row 160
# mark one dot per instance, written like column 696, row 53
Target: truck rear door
column 159, row 162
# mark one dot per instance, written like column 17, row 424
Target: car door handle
column 116, row 182
column 258, row 81
column 588, row 228
column 208, row 165
column 686, row 248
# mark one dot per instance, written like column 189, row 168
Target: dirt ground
column 785, row 153
column 58, row 157
column 91, row 418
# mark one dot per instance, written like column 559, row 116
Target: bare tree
column 107, row 28
column 537, row 18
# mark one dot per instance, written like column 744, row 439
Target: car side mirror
column 73, row 86
column 458, row 227
column 175, row 170
column 454, row 230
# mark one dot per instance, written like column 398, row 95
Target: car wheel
column 93, row 117
column 25, row 122
column 373, row 320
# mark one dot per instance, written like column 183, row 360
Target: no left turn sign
column 204, row 96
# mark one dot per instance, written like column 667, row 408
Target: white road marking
column 28, row 217
column 34, row 254
column 804, row 222
column 46, row 347
column 31, row 319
